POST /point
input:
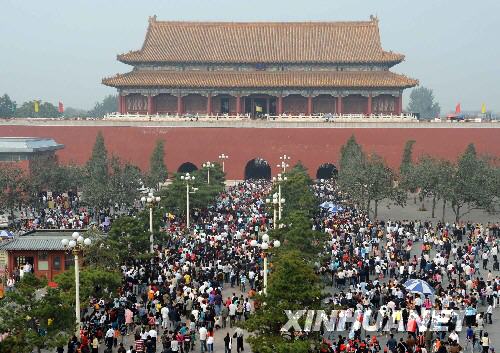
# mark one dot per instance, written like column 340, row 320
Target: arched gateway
column 326, row 171
column 257, row 168
column 187, row 167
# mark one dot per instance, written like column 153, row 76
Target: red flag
column 457, row 109
column 61, row 107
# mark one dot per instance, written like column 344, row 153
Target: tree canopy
column 108, row 105
column 157, row 168
column 297, row 192
column 94, row 282
column 7, row 107
column 45, row 110
column 35, row 317
column 293, row 285
column 109, row 181
column 422, row 101
column 174, row 196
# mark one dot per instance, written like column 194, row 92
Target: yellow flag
column 483, row 109
column 36, row 107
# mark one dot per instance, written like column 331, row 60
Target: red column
column 399, row 104
column 309, row 105
column 209, row 104
column 339, row 105
column 369, row 105
column 120, row 104
column 179, row 105
column 238, row 105
column 124, row 108
column 280, row 105
column 151, row 108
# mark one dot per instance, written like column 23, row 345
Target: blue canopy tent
column 419, row 286
column 331, row 207
column 6, row 234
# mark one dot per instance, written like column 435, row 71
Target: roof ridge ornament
column 152, row 19
column 374, row 18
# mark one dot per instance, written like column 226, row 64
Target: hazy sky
column 61, row 49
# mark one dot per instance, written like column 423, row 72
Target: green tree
column 45, row 110
column 48, row 175
column 157, row 169
column 124, row 182
column 297, row 191
column 108, row 105
column 422, row 102
column 407, row 159
column 406, row 167
column 15, row 189
column 35, row 317
column 292, row 285
column 7, row 107
column 95, row 187
column 70, row 112
column 174, row 196
column 445, row 184
column 128, row 237
column 426, row 176
column 473, row 184
column 352, row 178
column 297, row 234
column 94, row 281
column 378, row 182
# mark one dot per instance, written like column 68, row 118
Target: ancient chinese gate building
column 297, row 68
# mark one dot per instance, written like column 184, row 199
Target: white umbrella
column 419, row 286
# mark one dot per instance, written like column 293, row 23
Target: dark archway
column 187, row 167
column 258, row 168
column 326, row 171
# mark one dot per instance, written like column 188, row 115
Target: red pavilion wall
column 312, row 146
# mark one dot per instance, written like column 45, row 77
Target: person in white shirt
column 202, row 332
column 110, row 333
column 210, row 344
column 489, row 314
column 454, row 337
column 174, row 346
column 164, row 317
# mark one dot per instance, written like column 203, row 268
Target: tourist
column 485, row 342
column 228, row 341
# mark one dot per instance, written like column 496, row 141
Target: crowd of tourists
column 370, row 261
column 201, row 281
column 60, row 212
column 197, row 287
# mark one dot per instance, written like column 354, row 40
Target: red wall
column 312, row 146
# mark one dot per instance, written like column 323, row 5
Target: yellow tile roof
column 260, row 79
column 262, row 42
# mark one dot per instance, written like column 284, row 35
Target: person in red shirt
column 139, row 344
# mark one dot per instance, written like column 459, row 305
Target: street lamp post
column 189, row 190
column 223, row 157
column 275, row 201
column 280, row 178
column 283, row 163
column 264, row 246
column 151, row 201
column 208, row 165
column 76, row 245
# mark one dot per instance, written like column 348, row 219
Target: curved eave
column 279, row 80
column 135, row 61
